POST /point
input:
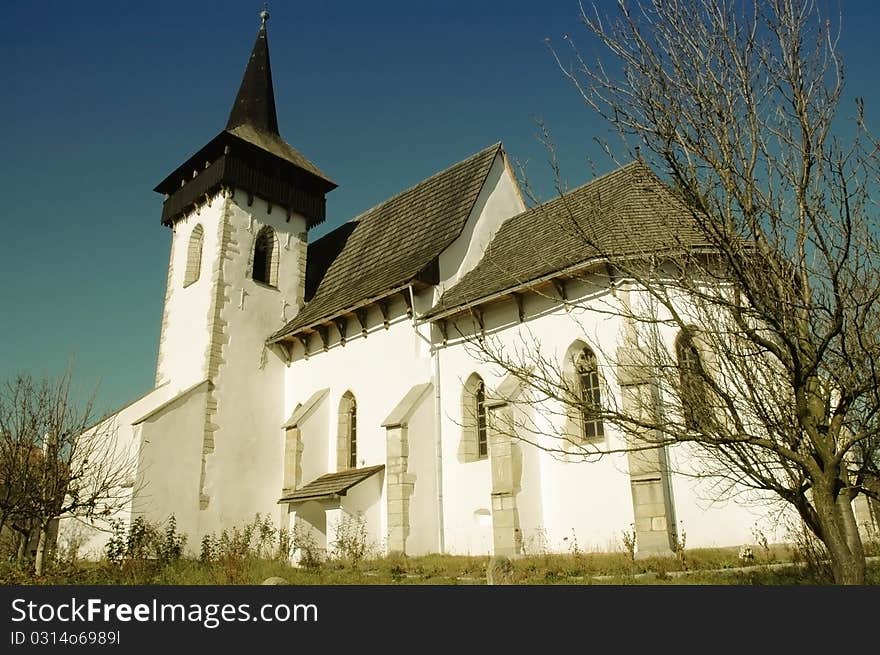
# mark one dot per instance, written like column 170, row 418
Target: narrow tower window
column 194, row 256
column 266, row 257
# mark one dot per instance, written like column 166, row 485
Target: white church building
column 319, row 379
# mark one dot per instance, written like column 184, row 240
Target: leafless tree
column 56, row 461
column 758, row 321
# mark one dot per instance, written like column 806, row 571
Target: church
column 323, row 380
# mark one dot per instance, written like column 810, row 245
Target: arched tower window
column 475, row 435
column 694, row 399
column 194, row 255
column 583, row 385
column 265, row 268
column 346, row 450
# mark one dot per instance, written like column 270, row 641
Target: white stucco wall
column 169, row 465
column 314, row 431
column 123, row 442
column 243, row 473
column 559, row 502
column 378, row 370
column 184, row 338
column 584, row 502
column 423, row 514
column 498, row 200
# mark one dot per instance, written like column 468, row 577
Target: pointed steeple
column 250, row 155
column 255, row 103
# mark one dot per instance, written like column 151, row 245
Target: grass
column 696, row 567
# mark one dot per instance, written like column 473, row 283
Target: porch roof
column 330, row 485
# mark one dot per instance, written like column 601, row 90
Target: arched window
column 346, row 444
column 694, row 400
column 480, row 411
column 265, row 268
column 194, row 255
column 474, row 434
column 583, row 390
column 589, row 394
column 352, row 434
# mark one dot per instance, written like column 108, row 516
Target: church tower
column 239, row 210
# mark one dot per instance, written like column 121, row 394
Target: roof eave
column 277, row 337
column 430, row 317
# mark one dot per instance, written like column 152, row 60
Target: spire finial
column 264, row 16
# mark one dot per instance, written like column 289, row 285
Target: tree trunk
column 853, row 538
column 23, row 540
column 844, row 547
column 39, row 560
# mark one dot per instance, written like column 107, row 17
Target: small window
column 346, row 444
column 590, row 394
column 265, row 267
column 474, row 442
column 194, row 256
column 352, row 435
column 694, row 400
column 480, row 413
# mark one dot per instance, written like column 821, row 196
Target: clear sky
column 102, row 99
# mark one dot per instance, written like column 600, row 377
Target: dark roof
column 274, row 144
column 330, row 485
column 396, row 241
column 255, row 103
column 249, row 154
column 626, row 212
column 322, row 252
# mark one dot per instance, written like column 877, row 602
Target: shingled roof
column 626, row 212
column 394, row 242
column 330, row 485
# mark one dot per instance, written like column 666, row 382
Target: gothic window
column 589, row 394
column 265, row 267
column 194, row 256
column 352, row 435
column 346, row 452
column 582, row 393
column 480, row 411
column 694, row 400
column 475, row 433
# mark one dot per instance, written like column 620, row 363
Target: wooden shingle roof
column 396, row 241
column 330, row 485
column 627, row 212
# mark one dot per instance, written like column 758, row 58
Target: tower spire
column 255, row 103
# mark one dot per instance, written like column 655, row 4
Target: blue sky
column 102, row 100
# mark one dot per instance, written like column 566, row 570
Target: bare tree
column 756, row 322
column 56, row 461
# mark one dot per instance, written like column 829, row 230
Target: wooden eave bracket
column 408, row 300
column 341, row 327
column 322, row 332
column 442, row 327
column 305, row 345
column 383, row 307
column 559, row 285
column 518, row 299
column 361, row 315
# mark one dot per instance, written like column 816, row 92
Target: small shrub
column 629, row 542
column 810, row 552
column 352, row 542
column 678, row 547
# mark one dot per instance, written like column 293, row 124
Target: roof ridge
column 635, row 163
column 498, row 145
